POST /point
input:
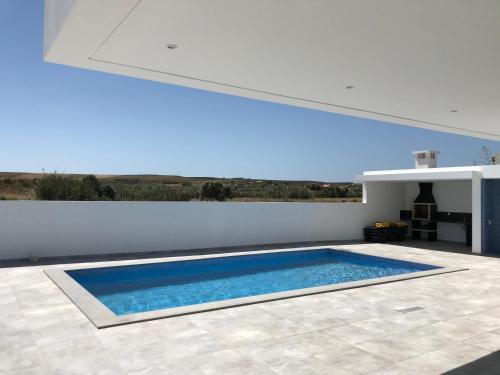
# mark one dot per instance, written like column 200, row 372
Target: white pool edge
column 102, row 317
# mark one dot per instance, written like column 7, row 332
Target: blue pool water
column 140, row 288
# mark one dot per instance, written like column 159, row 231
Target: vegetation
column 485, row 157
column 155, row 192
column 53, row 187
column 170, row 188
column 16, row 188
column 214, row 191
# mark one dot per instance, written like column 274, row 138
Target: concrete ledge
column 102, row 317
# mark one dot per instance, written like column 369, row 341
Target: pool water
column 147, row 287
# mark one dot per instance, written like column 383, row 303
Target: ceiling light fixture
column 171, row 46
column 349, row 87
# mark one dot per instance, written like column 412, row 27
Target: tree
column 108, row 193
column 314, row 187
column 90, row 188
column 155, row 192
column 92, row 182
column 55, row 187
column 228, row 192
column 485, row 157
column 62, row 188
column 214, row 191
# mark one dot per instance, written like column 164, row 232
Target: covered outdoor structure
column 467, row 199
column 429, row 64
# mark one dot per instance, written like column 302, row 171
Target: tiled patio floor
column 349, row 332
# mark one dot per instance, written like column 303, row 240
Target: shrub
column 228, row 192
column 155, row 193
column 108, row 193
column 298, row 192
column 214, row 191
column 54, row 187
column 314, row 187
column 89, row 189
column 25, row 183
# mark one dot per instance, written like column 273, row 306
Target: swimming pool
column 168, row 285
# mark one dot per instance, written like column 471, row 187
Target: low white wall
column 451, row 196
column 75, row 228
column 81, row 228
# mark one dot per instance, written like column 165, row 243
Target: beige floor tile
column 486, row 340
column 393, row 349
column 346, row 332
column 351, row 360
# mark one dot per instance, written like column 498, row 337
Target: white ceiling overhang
column 409, row 177
column 432, row 64
column 427, row 174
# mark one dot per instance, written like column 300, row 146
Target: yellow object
column 387, row 224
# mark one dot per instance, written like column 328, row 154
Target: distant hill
column 169, row 179
column 19, row 185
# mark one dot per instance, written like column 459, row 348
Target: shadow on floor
column 487, row 365
column 161, row 254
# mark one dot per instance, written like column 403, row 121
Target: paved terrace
column 452, row 324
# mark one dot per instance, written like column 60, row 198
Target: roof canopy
column 431, row 174
column 427, row 63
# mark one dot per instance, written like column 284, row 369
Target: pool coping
column 102, row 317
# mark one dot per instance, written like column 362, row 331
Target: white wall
column 451, row 196
column 79, row 228
column 73, row 228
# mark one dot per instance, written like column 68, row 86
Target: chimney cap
column 425, row 152
column 426, row 158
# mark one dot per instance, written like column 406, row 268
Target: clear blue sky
column 70, row 120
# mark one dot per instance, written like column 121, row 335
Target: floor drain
column 410, row 309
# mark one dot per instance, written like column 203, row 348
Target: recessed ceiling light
column 349, row 87
column 454, row 110
column 171, row 46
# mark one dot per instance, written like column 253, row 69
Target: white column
column 365, row 193
column 476, row 212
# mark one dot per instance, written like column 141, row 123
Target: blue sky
column 60, row 118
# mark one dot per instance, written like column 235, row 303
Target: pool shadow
column 95, row 258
